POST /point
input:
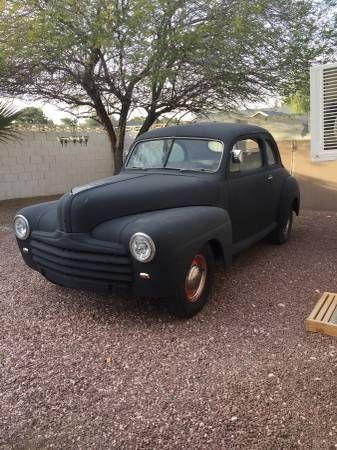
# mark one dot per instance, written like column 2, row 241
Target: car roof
column 222, row 131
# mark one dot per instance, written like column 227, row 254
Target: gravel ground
column 84, row 371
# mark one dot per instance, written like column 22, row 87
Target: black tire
column 184, row 304
column 282, row 232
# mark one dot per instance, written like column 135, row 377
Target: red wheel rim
column 196, row 278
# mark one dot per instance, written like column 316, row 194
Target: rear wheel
column 282, row 232
column 194, row 289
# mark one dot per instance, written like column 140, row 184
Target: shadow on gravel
column 104, row 306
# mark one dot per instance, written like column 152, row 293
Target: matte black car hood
column 131, row 193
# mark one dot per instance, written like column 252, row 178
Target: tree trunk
column 114, row 145
column 148, row 122
column 123, row 118
column 118, row 153
column 109, row 128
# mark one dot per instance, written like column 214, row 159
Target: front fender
column 178, row 234
column 42, row 216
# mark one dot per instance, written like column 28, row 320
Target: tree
column 136, row 120
column 32, row 115
column 69, row 122
column 299, row 102
column 112, row 57
column 8, row 115
column 92, row 122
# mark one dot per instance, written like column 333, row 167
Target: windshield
column 177, row 153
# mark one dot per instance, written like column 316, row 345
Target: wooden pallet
column 323, row 318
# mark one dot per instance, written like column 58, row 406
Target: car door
column 249, row 195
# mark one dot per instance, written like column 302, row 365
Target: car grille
column 107, row 264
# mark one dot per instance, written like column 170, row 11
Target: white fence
column 40, row 164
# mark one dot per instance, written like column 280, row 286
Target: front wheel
column 194, row 289
column 282, row 232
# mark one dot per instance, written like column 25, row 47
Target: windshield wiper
column 138, row 168
column 163, row 168
column 178, row 169
column 202, row 169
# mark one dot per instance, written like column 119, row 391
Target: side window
column 271, row 157
column 246, row 155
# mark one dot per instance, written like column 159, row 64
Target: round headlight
column 142, row 247
column 21, row 227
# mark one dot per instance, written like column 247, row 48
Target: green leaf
column 8, row 115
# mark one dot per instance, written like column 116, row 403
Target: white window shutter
column 323, row 112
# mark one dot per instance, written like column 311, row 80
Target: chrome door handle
column 269, row 178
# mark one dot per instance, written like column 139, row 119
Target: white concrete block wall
column 38, row 165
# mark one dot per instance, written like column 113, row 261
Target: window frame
column 275, row 150
column 195, row 138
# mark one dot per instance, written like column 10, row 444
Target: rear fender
column 290, row 198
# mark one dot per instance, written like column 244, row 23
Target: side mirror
column 237, row 156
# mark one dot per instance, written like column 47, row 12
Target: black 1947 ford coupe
column 186, row 195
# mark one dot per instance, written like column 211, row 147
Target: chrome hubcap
column 196, row 278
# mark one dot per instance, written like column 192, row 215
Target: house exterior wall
column 317, row 180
